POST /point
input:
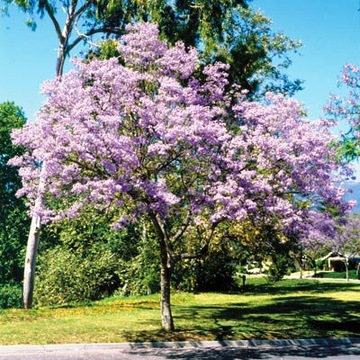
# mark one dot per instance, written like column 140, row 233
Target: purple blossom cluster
column 145, row 136
column 347, row 108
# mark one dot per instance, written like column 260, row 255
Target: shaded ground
column 324, row 317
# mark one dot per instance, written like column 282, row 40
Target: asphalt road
column 344, row 349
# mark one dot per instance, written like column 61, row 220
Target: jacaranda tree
column 347, row 240
column 229, row 31
column 347, row 110
column 141, row 137
column 316, row 239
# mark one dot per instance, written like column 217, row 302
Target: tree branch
column 204, row 250
column 54, row 20
column 183, row 227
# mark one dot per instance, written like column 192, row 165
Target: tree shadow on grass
column 281, row 318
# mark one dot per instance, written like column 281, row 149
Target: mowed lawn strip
column 289, row 309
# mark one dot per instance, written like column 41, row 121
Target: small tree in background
column 347, row 240
column 140, row 137
column 347, row 109
column 315, row 239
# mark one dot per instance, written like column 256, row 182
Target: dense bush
column 213, row 272
column 139, row 280
column 10, row 296
column 14, row 222
column 279, row 267
column 217, row 272
column 66, row 276
column 141, row 274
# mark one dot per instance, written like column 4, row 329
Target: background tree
column 144, row 138
column 347, row 110
column 347, row 240
column 76, row 20
column 229, row 31
column 315, row 239
column 13, row 215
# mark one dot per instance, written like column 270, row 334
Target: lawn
column 289, row 309
column 337, row 275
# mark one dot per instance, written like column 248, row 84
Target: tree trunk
column 166, row 267
column 347, row 269
column 60, row 61
column 314, row 267
column 30, row 262
column 167, row 321
column 31, row 248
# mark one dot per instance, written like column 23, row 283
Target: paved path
column 341, row 349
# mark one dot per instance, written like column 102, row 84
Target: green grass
column 289, row 309
column 337, row 275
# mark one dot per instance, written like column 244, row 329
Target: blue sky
column 27, row 59
column 330, row 33
column 329, row 30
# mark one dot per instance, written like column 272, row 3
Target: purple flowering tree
column 316, row 236
column 142, row 138
column 347, row 240
column 348, row 109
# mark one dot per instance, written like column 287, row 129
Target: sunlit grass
column 289, row 309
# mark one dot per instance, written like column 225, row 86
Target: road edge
column 326, row 342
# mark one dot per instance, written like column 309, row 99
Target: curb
column 6, row 349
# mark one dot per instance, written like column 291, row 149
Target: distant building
column 336, row 261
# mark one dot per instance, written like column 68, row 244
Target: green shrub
column 139, row 278
column 141, row 275
column 319, row 264
column 215, row 272
column 279, row 268
column 65, row 276
column 10, row 296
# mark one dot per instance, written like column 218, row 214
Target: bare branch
column 93, row 31
column 183, row 227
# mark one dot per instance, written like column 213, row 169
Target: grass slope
column 289, row 309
